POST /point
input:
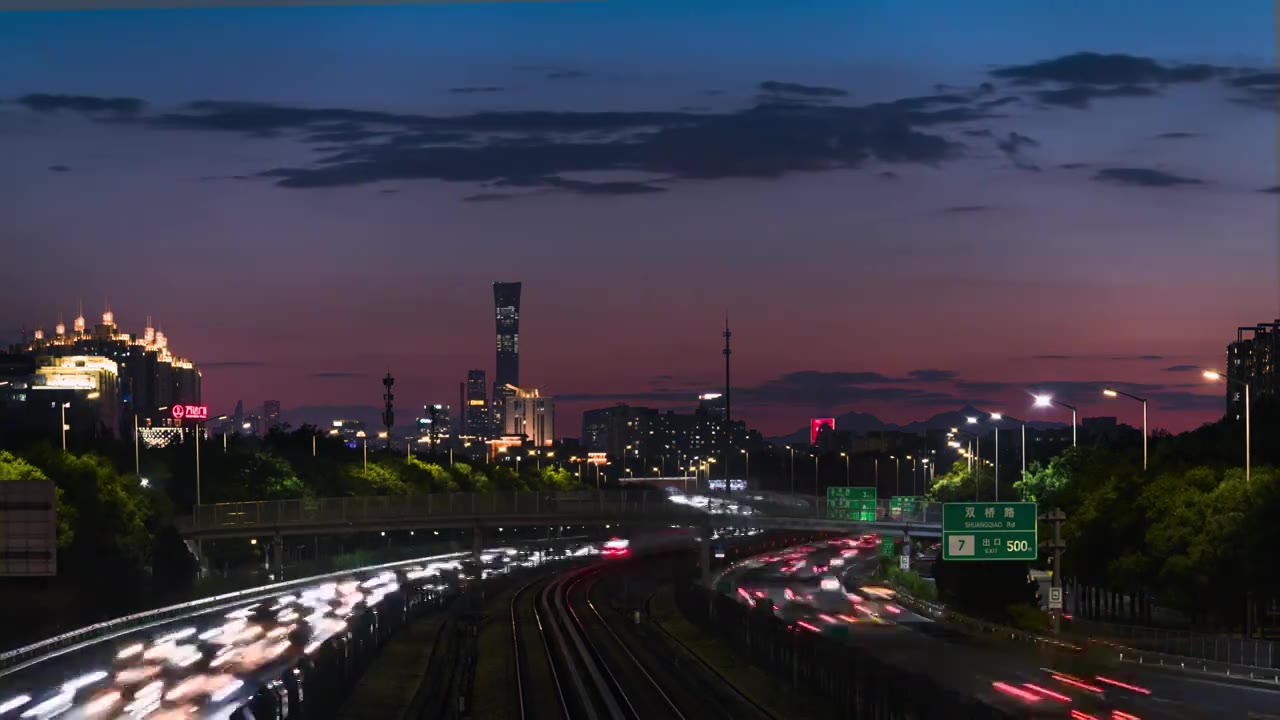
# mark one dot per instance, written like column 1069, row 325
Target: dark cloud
column 835, row 389
column 1088, row 68
column 42, row 102
column 1176, row 135
column 1181, row 368
column 1261, row 89
column 978, row 133
column 1080, row 96
column 1190, row 401
column 888, row 175
column 966, row 208
column 337, row 375
column 969, row 387
column 566, row 74
column 664, row 377
column 1144, row 177
column 930, row 375
column 476, row 89
column 388, row 191
column 999, row 102
column 60, row 168
column 811, row 91
column 1052, row 357
column 1014, row 145
column 234, row 364
column 490, row 197
column 1073, row 165
column 1273, row 189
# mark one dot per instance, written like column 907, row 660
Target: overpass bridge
column 311, row 516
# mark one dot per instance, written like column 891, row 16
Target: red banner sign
column 191, row 412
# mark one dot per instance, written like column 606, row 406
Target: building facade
column 148, row 378
column 477, row 420
column 271, row 413
column 506, row 305
column 530, row 414
column 1254, row 358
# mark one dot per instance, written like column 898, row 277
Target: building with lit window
column 477, row 421
column 506, row 305
column 1254, row 358
column 531, row 414
column 148, row 378
column 271, row 413
column 641, row 432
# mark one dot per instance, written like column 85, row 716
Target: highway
column 844, row 601
column 267, row 651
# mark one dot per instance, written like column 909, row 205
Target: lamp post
column 364, row 442
column 847, row 476
column 897, row 474
column 63, row 411
column 746, row 472
column 1047, row 400
column 912, row 458
column 977, row 453
column 995, row 418
column 793, row 469
column 137, row 450
column 1248, row 461
column 816, row 489
column 876, row 472
column 1112, row 392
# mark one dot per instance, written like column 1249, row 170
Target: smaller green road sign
column 989, row 531
column 851, row 503
column 887, row 546
column 903, row 505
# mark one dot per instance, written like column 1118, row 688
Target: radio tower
column 728, row 426
column 388, row 415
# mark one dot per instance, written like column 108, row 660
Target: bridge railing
column 413, row 508
column 818, row 507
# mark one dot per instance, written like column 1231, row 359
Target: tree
column 957, row 484
column 987, row 589
column 13, row 467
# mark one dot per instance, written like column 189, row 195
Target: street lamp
column 793, row 469
column 746, row 472
column 897, row 475
column 995, row 418
column 1047, row 401
column 63, row 411
column 816, row 490
column 847, row 476
column 1112, row 392
column 977, row 450
column 1213, row 375
column 364, row 441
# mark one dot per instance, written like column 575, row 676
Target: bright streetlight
column 1213, row 375
column 746, row 472
column 847, row 476
column 1048, row 401
column 1112, row 392
column 63, row 411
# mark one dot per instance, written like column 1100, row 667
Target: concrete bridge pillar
column 277, row 557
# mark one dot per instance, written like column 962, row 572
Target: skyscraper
column 271, row 412
column 506, row 302
column 531, row 414
column 476, row 418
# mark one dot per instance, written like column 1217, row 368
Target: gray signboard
column 28, row 528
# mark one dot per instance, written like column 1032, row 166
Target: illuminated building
column 817, row 426
column 271, row 413
column 33, row 391
column 530, row 414
column 1254, row 358
column 476, row 419
column 434, row 424
column 641, row 432
column 712, row 404
column 348, row 430
column 506, row 305
column 148, row 376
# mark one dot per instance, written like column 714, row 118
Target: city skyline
column 1111, row 224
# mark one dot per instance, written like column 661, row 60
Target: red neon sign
column 816, row 425
column 191, row 412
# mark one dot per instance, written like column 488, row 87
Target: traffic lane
column 1238, row 700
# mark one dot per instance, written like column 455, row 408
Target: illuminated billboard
column 190, row 412
column 816, row 425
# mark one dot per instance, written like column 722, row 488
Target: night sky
column 902, row 206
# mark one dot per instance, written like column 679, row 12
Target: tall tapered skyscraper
column 506, row 304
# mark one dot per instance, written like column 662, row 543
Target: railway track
column 577, row 658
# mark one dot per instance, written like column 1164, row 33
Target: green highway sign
column 903, row 505
column 990, row 531
column 851, row 503
column 887, row 546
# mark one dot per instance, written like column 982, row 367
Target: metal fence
column 412, row 508
column 375, row 510
column 1217, row 648
column 859, row 684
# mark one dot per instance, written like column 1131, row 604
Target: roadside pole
column 1057, row 517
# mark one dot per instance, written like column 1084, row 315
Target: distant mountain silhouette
column 862, row 423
